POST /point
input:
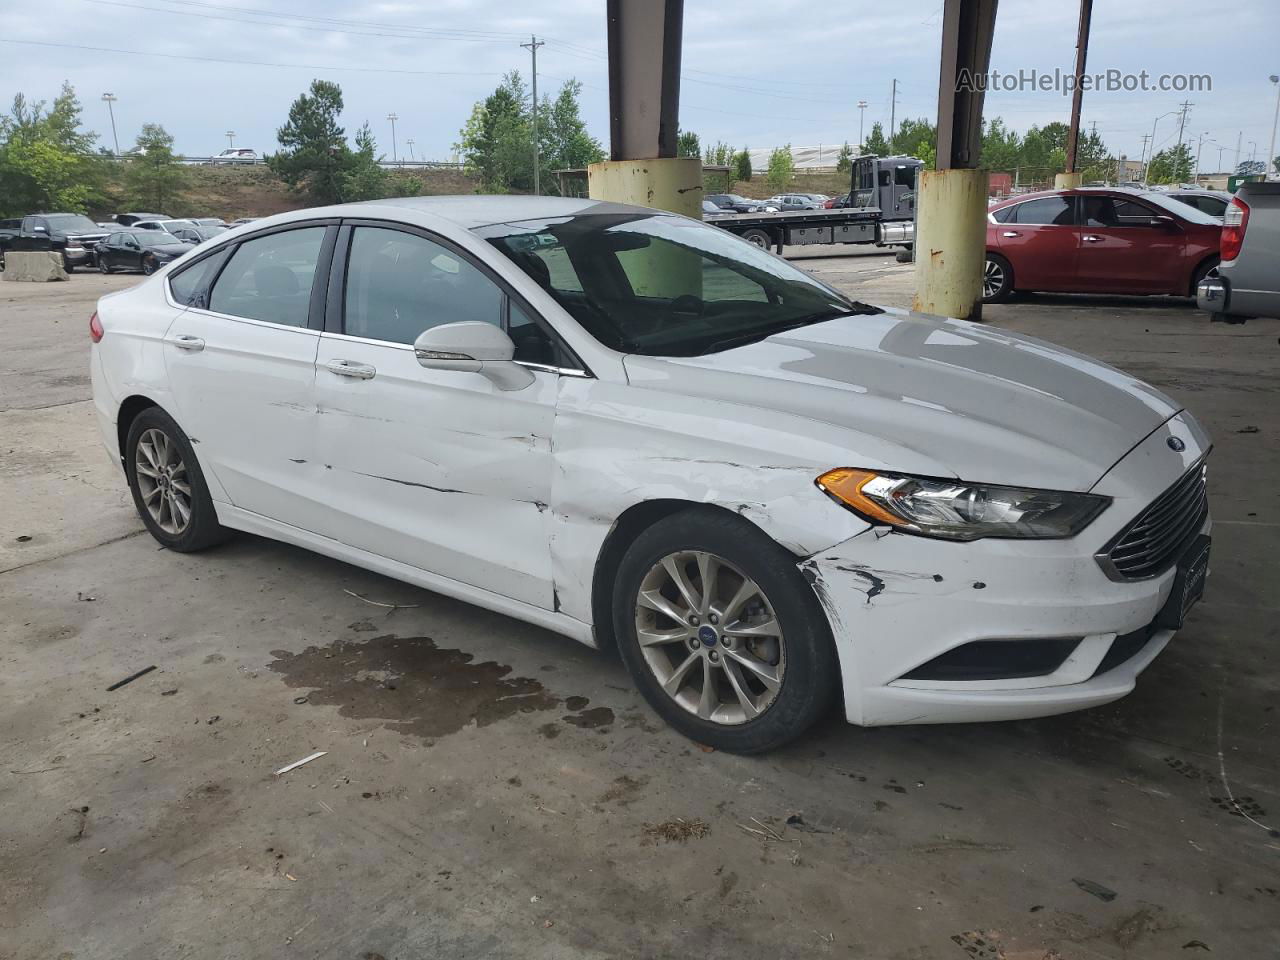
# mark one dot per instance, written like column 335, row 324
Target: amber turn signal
column 846, row 483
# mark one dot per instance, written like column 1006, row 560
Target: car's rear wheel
column 760, row 238
column 722, row 634
column 168, row 486
column 1202, row 271
column 997, row 279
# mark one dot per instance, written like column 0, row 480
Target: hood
column 937, row 397
column 175, row 249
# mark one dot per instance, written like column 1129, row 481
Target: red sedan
column 1105, row 240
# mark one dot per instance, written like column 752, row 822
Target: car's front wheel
column 168, row 486
column 149, row 265
column 102, row 265
column 722, row 634
column 997, row 279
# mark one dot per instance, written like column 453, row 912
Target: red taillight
column 1235, row 220
column 95, row 327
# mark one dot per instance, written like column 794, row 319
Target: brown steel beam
column 644, row 77
column 967, row 27
column 1077, row 92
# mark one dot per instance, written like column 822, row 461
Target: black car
column 732, row 203
column 145, row 250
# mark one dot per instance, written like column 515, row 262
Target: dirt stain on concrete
column 414, row 686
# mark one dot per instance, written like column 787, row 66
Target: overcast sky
column 755, row 72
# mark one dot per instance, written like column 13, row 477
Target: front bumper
column 899, row 603
column 77, row 256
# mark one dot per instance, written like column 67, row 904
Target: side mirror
column 473, row 347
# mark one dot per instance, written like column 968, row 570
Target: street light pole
column 532, row 46
column 1146, row 172
column 231, row 138
column 110, row 98
column 395, row 158
column 1271, row 154
column 862, row 116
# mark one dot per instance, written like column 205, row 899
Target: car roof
column 471, row 211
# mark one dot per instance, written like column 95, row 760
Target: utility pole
column 1077, row 92
column 1271, row 154
column 532, row 46
column 1220, row 149
column 109, row 99
column 394, row 156
column 862, row 117
column 231, row 138
column 1182, row 120
column 1239, row 140
column 410, row 143
column 1146, row 138
column 893, row 111
column 1199, row 147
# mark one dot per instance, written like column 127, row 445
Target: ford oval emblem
column 1176, row 445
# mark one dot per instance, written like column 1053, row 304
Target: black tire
column 66, row 264
column 148, row 265
column 997, row 279
column 809, row 680
column 102, row 266
column 202, row 529
column 1202, row 271
column 761, row 238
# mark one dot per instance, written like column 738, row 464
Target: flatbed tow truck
column 882, row 199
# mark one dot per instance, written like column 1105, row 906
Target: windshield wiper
column 754, row 336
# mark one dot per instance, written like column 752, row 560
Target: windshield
column 663, row 285
column 73, row 222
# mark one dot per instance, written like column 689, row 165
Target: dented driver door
column 440, row 470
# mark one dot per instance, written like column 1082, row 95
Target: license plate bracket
column 1188, row 584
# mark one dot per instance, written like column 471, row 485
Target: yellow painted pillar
column 1067, row 181
column 673, row 184
column 951, row 242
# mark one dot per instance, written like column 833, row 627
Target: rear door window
column 269, row 278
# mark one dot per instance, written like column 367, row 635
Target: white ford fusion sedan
column 637, row 430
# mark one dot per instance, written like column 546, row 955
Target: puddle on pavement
column 417, row 687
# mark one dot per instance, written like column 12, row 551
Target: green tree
column 742, row 164
column 497, row 142
column 687, row 144
column 153, row 176
column 315, row 158
column 565, row 142
column 782, row 166
column 876, row 145
column 1001, row 147
column 718, row 154
column 1172, row 165
column 46, row 161
column 914, row 138
column 844, row 159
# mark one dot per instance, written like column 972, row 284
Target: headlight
column 956, row 510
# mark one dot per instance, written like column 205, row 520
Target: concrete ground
column 491, row 790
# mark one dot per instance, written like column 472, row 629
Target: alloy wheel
column 162, row 481
column 992, row 278
column 710, row 637
column 148, row 266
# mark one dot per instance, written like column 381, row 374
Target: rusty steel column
column 644, row 98
column 951, row 210
column 1072, row 177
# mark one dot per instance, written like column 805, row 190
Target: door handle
column 1010, row 233
column 185, row 342
column 1090, row 238
column 350, row 368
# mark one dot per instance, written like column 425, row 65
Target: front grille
column 1149, row 545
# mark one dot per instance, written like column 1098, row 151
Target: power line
column 253, row 63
